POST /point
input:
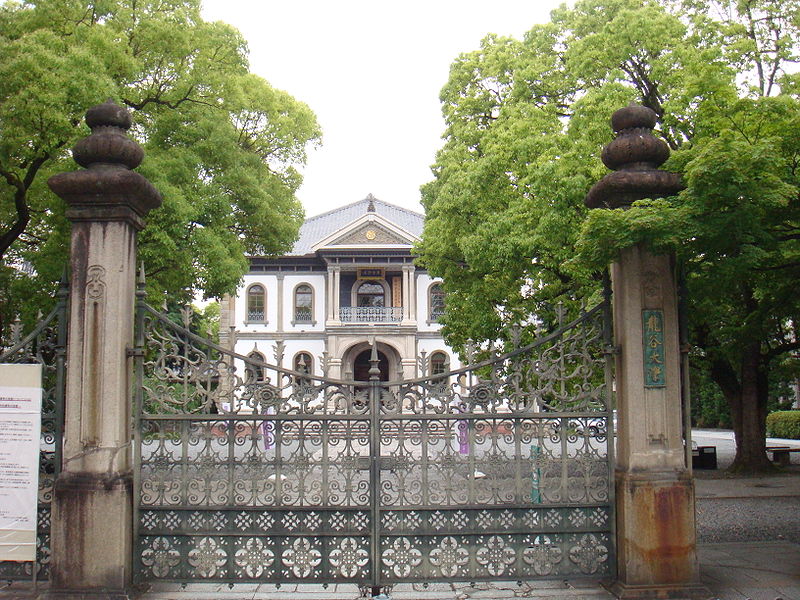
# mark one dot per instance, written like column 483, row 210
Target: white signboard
column 20, row 424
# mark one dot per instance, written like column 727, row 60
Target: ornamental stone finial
column 634, row 155
column 108, row 144
column 108, row 189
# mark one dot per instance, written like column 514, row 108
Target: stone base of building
column 91, row 537
column 659, row 592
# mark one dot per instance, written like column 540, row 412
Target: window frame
column 309, row 366
column 247, row 297
column 260, row 373
column 431, row 287
column 445, row 363
column 295, row 320
column 387, row 292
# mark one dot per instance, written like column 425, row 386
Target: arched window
column 256, row 304
column 439, row 363
column 303, row 363
column 435, row 302
column 254, row 371
column 303, row 303
column 370, row 293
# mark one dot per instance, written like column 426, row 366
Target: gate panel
column 263, row 476
column 501, row 470
column 250, row 472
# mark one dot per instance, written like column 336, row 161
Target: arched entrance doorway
column 361, row 366
column 355, row 361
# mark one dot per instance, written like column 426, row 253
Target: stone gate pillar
column 92, row 504
column 655, row 504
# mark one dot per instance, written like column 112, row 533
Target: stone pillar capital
column 107, row 189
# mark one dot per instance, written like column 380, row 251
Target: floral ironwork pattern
column 248, row 470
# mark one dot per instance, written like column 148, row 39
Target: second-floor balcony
column 371, row 314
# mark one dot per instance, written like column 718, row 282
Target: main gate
column 246, row 471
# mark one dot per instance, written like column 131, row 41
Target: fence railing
column 371, row 314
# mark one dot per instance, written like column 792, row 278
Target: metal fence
column 247, row 471
column 46, row 344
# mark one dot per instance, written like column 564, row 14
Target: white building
column 349, row 280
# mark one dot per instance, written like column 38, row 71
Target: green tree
column 526, row 121
column 221, row 144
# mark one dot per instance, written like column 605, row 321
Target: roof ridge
column 364, row 200
column 398, row 207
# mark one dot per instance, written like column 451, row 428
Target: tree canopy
column 525, row 123
column 221, row 144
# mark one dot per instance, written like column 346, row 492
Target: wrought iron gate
column 46, row 344
column 250, row 472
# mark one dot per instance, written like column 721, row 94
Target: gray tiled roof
column 321, row 226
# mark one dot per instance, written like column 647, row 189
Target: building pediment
column 368, row 231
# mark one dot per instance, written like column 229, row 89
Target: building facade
column 349, row 281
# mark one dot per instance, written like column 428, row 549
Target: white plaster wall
column 317, row 283
column 424, row 282
column 270, row 282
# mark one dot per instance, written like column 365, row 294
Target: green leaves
column 220, row 143
column 526, row 121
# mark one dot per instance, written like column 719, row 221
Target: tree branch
column 21, row 199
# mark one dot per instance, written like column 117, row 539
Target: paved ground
column 748, row 534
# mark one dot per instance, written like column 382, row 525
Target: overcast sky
column 371, row 71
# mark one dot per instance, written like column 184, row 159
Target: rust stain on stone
column 667, row 554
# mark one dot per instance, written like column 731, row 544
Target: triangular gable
column 371, row 231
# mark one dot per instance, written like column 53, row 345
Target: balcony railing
column 371, row 314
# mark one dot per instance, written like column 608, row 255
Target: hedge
column 784, row 424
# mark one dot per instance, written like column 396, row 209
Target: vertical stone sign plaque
column 653, row 333
column 20, row 425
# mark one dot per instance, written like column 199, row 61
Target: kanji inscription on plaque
column 653, row 334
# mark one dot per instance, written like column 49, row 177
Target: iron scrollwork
column 251, row 471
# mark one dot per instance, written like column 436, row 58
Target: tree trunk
column 748, row 402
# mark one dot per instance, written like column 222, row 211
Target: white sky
column 371, row 71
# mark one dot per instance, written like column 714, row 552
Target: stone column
column 227, row 339
column 655, row 502
column 412, row 293
column 407, row 276
column 92, row 503
column 337, row 276
column 280, row 303
column 329, row 294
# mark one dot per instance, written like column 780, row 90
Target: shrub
column 784, row 424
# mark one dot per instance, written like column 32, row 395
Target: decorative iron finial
column 107, row 189
column 374, row 361
column 634, row 155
